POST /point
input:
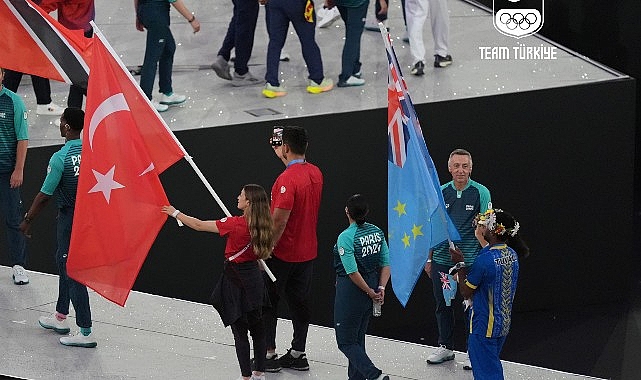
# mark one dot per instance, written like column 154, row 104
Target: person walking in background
column 302, row 16
column 417, row 11
column 296, row 196
column 491, row 284
column 361, row 260
column 240, row 293
column 353, row 12
column 15, row 140
column 240, row 36
column 153, row 15
column 62, row 180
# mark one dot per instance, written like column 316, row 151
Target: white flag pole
column 171, row 133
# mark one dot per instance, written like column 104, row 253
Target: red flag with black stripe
column 35, row 43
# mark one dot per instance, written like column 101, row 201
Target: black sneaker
column 418, row 68
column 271, row 365
column 288, row 361
column 442, row 61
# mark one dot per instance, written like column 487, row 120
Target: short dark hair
column 75, row 118
column 296, row 138
column 357, row 208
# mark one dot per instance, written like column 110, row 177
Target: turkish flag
column 35, row 43
column 126, row 145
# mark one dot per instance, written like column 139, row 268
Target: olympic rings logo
column 518, row 20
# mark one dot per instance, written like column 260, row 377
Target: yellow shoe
column 324, row 86
column 273, row 91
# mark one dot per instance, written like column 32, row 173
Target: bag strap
column 235, row 255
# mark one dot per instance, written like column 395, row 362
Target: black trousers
column 255, row 326
column 293, row 281
column 41, row 86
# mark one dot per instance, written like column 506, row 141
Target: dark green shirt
column 13, row 127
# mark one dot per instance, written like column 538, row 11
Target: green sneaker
column 324, row 86
column 273, row 91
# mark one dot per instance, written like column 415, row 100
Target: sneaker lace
column 440, row 350
column 19, row 271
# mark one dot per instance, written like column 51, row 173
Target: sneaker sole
column 273, row 94
column 84, row 345
column 272, row 370
column 247, row 84
column 59, row 331
column 172, row 103
column 318, row 90
column 418, row 73
column 442, row 64
column 350, row 85
column 446, row 359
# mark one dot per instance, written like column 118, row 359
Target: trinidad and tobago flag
column 35, row 43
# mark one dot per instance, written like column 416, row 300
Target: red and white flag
column 126, row 145
column 35, row 43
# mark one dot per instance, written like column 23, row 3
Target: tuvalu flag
column 417, row 219
column 35, row 43
column 126, row 145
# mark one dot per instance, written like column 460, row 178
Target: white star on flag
column 105, row 183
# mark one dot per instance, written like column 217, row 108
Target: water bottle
column 376, row 309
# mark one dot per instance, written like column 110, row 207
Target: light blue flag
column 417, row 218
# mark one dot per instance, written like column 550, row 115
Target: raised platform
column 164, row 338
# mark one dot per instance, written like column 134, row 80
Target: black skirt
column 240, row 291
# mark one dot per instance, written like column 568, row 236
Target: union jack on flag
column 445, row 281
column 397, row 134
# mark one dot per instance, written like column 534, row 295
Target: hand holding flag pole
column 417, row 220
column 186, row 155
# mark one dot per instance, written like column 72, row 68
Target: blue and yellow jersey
column 493, row 277
column 360, row 248
column 13, row 127
column 462, row 207
column 62, row 174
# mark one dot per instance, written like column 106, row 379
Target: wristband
column 175, row 213
column 429, row 260
column 381, row 287
column 193, row 17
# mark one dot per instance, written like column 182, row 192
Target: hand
column 262, row 2
column 195, row 25
column 168, row 209
column 16, row 179
column 383, row 5
column 139, row 25
column 456, row 255
column 428, row 269
column 380, row 296
column 25, row 228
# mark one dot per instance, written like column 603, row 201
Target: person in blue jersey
column 361, row 260
column 62, row 181
column 491, row 284
column 464, row 200
column 14, row 140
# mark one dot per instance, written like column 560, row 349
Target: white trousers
column 416, row 12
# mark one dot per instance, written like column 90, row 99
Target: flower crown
column 488, row 219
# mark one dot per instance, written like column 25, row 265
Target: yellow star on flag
column 406, row 240
column 400, row 208
column 416, row 230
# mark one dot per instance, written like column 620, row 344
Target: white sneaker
column 328, row 18
column 49, row 109
column 372, row 25
column 351, row 81
column 172, row 99
column 467, row 365
column 258, row 377
column 19, row 275
column 79, row 340
column 382, row 377
column 52, row 323
column 159, row 107
column 442, row 354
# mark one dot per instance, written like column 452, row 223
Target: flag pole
column 390, row 49
column 186, row 155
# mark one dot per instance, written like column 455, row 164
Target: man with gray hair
column 464, row 200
